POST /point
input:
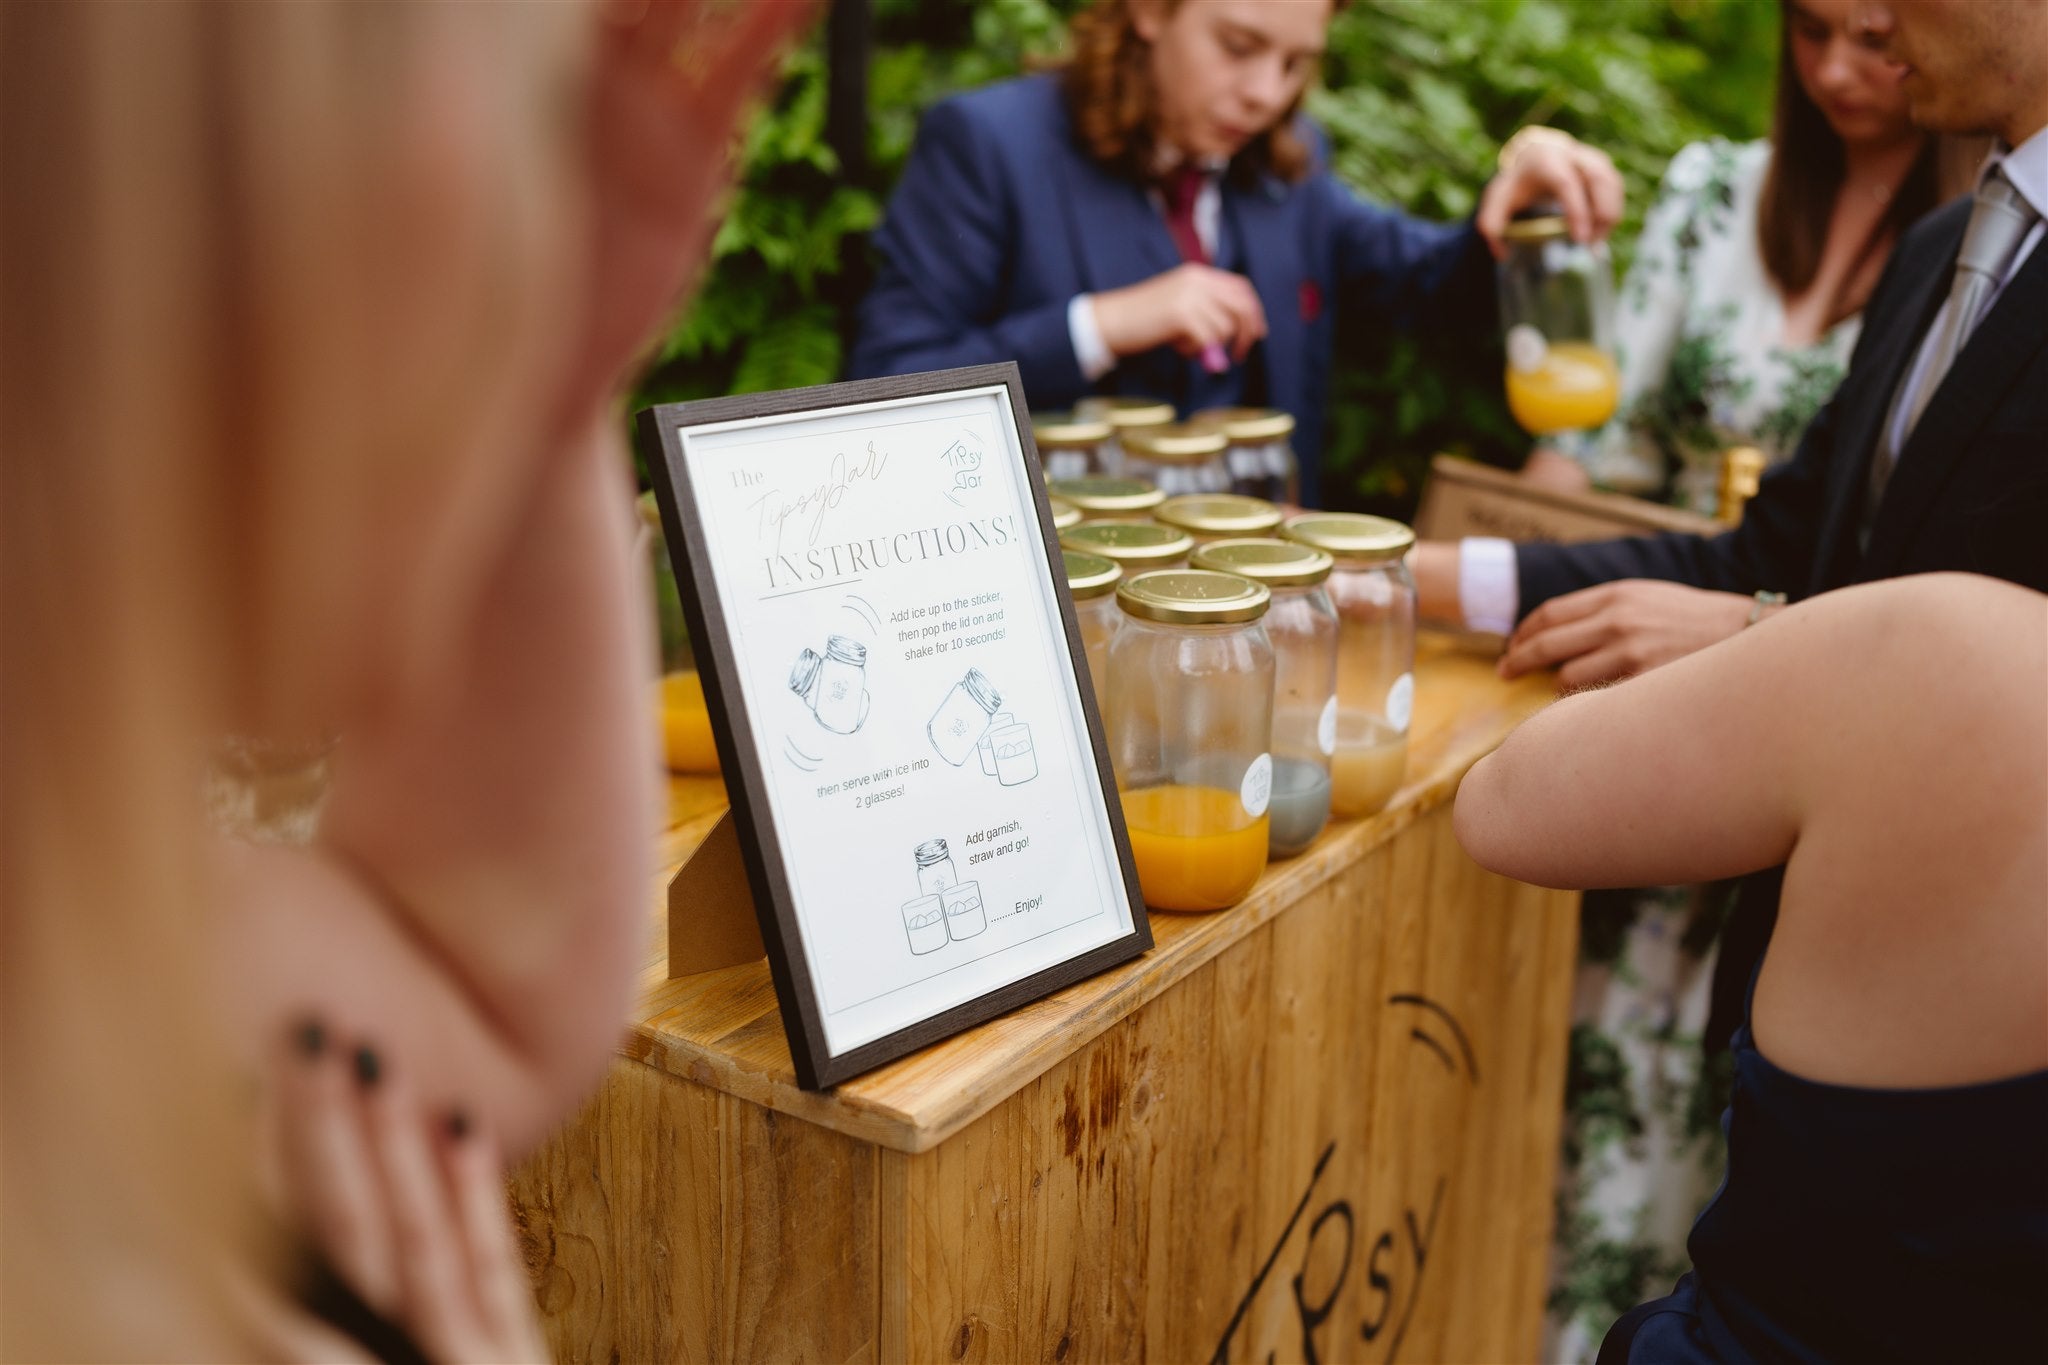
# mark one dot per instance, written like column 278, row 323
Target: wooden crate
column 1319, row 1126
column 1464, row 498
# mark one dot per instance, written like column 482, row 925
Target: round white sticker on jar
column 1401, row 701
column 1527, row 350
column 1257, row 788
column 1326, row 728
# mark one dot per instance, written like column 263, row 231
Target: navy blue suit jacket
column 1001, row 218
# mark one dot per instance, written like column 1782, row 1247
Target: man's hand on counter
column 1620, row 629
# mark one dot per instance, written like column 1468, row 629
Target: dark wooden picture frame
column 659, row 434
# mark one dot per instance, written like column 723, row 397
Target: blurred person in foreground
column 1886, row 1199
column 1928, row 458
column 1734, row 325
column 311, row 324
column 1157, row 218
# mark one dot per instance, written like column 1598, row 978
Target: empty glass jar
column 1189, row 717
column 1092, row 580
column 1070, row 447
column 1375, row 600
column 1178, row 457
column 1261, row 458
column 1218, row 516
column 1302, row 625
column 1557, row 309
column 1134, row 546
column 1124, row 415
column 1109, row 499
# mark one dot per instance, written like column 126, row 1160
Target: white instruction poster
column 892, row 621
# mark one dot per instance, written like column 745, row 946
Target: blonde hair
column 201, row 402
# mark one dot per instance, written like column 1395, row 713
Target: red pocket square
column 1311, row 301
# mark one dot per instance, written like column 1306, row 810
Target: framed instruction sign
column 901, row 704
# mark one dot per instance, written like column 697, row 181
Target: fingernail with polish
column 310, row 1037
column 369, row 1067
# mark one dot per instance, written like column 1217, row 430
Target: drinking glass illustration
column 834, row 686
column 935, row 871
column 1016, row 760
column 924, row 922
column 964, row 915
column 988, row 759
column 956, row 727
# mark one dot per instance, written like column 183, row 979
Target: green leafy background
column 1417, row 96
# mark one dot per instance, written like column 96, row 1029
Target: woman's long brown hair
column 1806, row 172
column 1110, row 97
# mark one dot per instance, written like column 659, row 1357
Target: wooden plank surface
column 721, row 1029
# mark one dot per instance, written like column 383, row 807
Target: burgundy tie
column 1181, row 192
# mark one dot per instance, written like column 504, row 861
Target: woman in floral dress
column 1735, row 324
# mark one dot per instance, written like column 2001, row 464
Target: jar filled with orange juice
column 1218, row 516
column 1375, row 600
column 1092, row 580
column 1302, row 625
column 1070, row 447
column 1189, row 717
column 1125, row 414
column 1178, row 457
column 1134, row 546
column 1557, row 307
column 1103, row 499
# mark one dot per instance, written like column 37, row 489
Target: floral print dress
column 1702, row 367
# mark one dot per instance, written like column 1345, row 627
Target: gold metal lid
column 1193, row 597
column 1276, row 563
column 1096, row 494
column 1064, row 514
column 1249, row 426
column 1065, row 431
column 1133, row 544
column 1219, row 514
column 1546, row 228
column 1177, row 442
column 1351, row 536
column 1090, row 575
column 1123, row 413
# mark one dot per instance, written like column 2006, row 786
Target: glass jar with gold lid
column 1218, row 516
column 1189, row 718
column 1106, row 499
column 1178, row 457
column 1135, row 546
column 1302, row 625
column 1070, row 447
column 1091, row 581
column 1064, row 514
column 1124, row 414
column 1375, row 600
column 1261, row 460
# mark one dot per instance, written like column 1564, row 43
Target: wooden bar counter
column 1319, row 1126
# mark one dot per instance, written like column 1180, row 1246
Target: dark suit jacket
column 1970, row 491
column 1001, row 218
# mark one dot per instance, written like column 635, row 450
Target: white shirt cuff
column 1488, row 589
column 1091, row 352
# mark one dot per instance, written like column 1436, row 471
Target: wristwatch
column 1764, row 598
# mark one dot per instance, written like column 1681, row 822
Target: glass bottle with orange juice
column 1188, row 712
column 1557, row 307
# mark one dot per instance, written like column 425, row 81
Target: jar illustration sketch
column 964, row 916
column 924, row 921
column 988, row 758
column 803, row 677
column 956, row 727
column 935, row 871
column 1015, row 760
